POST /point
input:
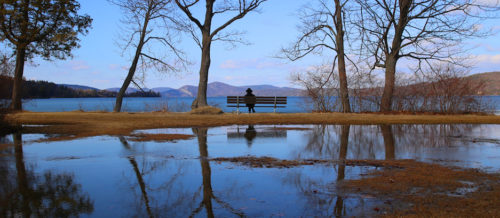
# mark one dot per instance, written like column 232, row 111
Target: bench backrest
column 255, row 100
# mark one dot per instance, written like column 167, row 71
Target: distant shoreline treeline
column 43, row 89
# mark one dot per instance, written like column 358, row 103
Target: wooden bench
column 259, row 101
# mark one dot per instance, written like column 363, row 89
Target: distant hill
column 162, row 89
column 214, row 89
column 218, row 89
column 129, row 90
column 491, row 82
column 44, row 89
column 79, row 87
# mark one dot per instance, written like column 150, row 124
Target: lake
column 117, row 176
column 294, row 104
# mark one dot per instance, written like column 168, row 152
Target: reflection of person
column 249, row 96
column 250, row 134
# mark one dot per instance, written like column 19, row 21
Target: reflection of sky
column 174, row 178
column 470, row 144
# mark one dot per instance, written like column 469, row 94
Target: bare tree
column 6, row 65
column 210, row 34
column 141, row 17
column 323, row 28
column 48, row 28
column 321, row 87
column 6, row 73
column 421, row 30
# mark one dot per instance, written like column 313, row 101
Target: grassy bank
column 82, row 124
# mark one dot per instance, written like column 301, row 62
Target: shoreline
column 86, row 124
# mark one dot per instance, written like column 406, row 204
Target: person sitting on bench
column 250, row 106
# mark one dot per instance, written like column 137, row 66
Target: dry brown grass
column 82, row 124
column 206, row 110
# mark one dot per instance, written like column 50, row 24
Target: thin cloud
column 487, row 59
column 79, row 65
column 250, row 64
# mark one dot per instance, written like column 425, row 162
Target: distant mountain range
column 491, row 86
column 214, row 89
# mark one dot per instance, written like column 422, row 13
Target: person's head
column 249, row 90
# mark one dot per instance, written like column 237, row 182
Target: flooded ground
column 122, row 176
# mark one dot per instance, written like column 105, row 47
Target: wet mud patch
column 422, row 189
column 55, row 138
column 290, row 128
column 61, row 158
column 271, row 162
column 159, row 137
column 477, row 139
column 266, row 162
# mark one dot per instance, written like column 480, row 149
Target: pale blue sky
column 99, row 63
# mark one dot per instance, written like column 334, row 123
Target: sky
column 100, row 62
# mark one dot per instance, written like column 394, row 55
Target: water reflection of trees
column 158, row 194
column 208, row 193
column 415, row 138
column 383, row 141
column 159, row 198
column 25, row 193
column 332, row 203
column 343, row 142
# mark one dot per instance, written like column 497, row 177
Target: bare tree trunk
column 390, row 80
column 126, row 83
column 133, row 67
column 16, row 104
column 344, row 91
column 392, row 57
column 201, row 96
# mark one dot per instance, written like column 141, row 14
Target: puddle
column 115, row 176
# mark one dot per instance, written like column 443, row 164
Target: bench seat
column 258, row 101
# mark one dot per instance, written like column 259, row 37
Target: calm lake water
column 113, row 176
column 294, row 104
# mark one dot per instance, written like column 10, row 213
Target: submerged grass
column 431, row 190
column 159, row 137
column 410, row 188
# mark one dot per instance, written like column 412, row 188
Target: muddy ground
column 409, row 188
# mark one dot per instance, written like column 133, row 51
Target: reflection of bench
column 269, row 132
column 259, row 101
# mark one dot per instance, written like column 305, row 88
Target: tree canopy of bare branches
column 142, row 17
column 236, row 10
column 47, row 28
column 421, row 30
column 323, row 28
